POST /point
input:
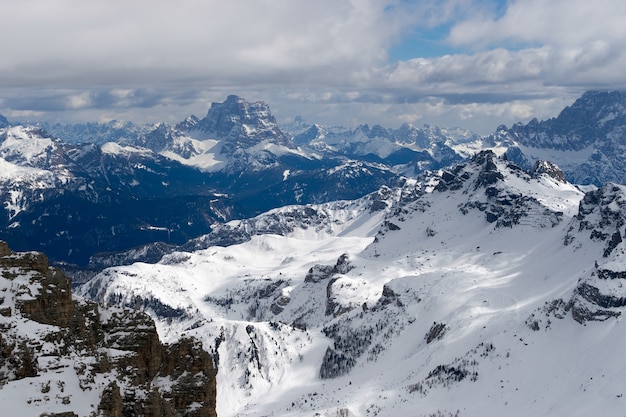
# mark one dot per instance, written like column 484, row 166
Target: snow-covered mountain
column 586, row 139
column 478, row 290
column 73, row 200
column 328, row 272
column 118, row 186
column 429, row 147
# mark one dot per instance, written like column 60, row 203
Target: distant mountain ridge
column 237, row 162
column 587, row 139
column 73, row 200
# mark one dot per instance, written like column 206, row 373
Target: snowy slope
column 25, row 177
column 466, row 301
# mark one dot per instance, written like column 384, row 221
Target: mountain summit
column 242, row 123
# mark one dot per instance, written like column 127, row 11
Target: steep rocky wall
column 115, row 352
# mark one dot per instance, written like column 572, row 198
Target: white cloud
column 447, row 73
column 555, row 22
column 164, row 40
column 79, row 101
column 326, row 59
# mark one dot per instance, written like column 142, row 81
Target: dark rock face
column 481, row 171
column 482, row 178
column 600, row 295
column 585, row 122
column 53, row 303
column 33, row 292
column 601, row 214
column 436, row 332
column 594, row 123
column 242, row 123
column 548, row 168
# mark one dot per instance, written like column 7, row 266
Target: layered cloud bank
column 452, row 62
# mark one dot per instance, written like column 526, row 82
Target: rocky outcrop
column 601, row 217
column 241, row 123
column 549, row 169
column 600, row 295
column 114, row 351
column 483, row 179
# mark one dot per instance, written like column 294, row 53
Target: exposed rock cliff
column 72, row 357
column 241, row 123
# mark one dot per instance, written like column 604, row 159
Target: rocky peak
column 601, row 214
column 485, row 181
column 313, row 133
column 549, row 169
column 243, row 123
column 598, row 105
column 295, row 126
column 481, row 169
column 72, row 349
column 157, row 139
column 190, row 123
column 407, row 133
column 377, row 131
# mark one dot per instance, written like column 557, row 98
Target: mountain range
column 325, row 271
column 115, row 186
column 79, row 192
column 479, row 290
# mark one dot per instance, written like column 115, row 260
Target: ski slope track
column 480, row 290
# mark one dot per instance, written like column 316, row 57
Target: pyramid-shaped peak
column 485, row 159
column 548, row 168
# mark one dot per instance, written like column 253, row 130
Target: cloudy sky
column 467, row 63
